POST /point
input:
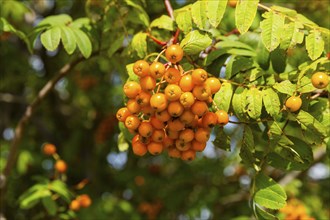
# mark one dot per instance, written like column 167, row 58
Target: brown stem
column 169, row 8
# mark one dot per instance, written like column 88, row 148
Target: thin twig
column 169, row 9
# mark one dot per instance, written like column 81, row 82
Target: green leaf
column 139, row 44
column 254, row 100
column 271, row 28
column 263, row 214
column 198, row 14
column 269, row 194
column 233, row 44
column 83, row 42
column 183, row 20
column 163, row 22
column 131, row 75
column 326, row 38
column 305, row 85
column 278, row 58
column 50, row 205
column 244, row 14
column 128, row 136
column 60, row 188
column 239, row 103
column 51, row 38
column 116, row 45
column 263, row 56
column 55, row 20
column 247, row 148
column 141, row 14
column 223, row 97
column 68, row 39
column 238, row 64
column 81, row 23
column 271, row 101
column 291, row 35
column 308, row 121
column 221, row 140
column 34, row 198
column 122, row 144
column 283, row 10
column 195, row 42
column 24, row 160
column 314, row 44
column 215, row 11
column 285, row 87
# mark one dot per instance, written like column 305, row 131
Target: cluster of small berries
column 295, row 210
column 81, row 201
column 168, row 109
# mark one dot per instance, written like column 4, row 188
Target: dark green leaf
column 278, row 58
column 128, row 136
column 140, row 12
column 50, row 205
column 263, row 56
column 116, row 45
column 247, row 149
column 310, row 123
column 263, row 214
column 221, row 140
column 238, row 64
column 195, row 42
column 233, row 44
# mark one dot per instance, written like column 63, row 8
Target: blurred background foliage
column 78, row 116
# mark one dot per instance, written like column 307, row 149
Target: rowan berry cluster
column 295, row 210
column 168, row 109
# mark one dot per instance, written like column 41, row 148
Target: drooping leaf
column 221, row 140
column 263, row 214
column 314, row 44
column 61, row 189
column 83, row 42
column 269, row 194
column 198, row 14
column 285, row 87
column 122, row 144
column 116, row 45
column 271, row 101
column 50, row 39
column 195, row 42
column 34, row 198
column 238, row 64
column 326, row 38
column 239, row 103
column 247, row 148
column 278, row 58
column 223, row 97
column 244, row 14
column 141, row 14
column 139, row 44
column 271, row 27
column 163, row 22
column 306, row 85
column 215, row 11
column 291, row 35
column 68, row 39
column 263, row 56
column 254, row 100
column 184, row 22
column 50, row 205
column 308, row 121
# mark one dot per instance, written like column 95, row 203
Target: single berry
column 293, row 103
column 320, row 80
column 174, row 53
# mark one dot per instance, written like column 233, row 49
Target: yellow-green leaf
column 314, row 44
column 223, row 97
column 198, row 14
column 50, row 39
column 122, row 143
column 272, row 28
column 254, row 100
column 215, row 11
column 244, row 14
column 68, row 39
column 183, row 20
column 163, row 22
column 195, row 42
column 271, row 101
column 83, row 42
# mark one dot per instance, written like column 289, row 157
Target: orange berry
column 188, row 155
column 175, row 109
column 293, row 103
column 49, row 149
column 175, row 125
column 61, row 166
column 168, row 142
column 198, row 146
column 132, row 89
column 199, row 108
column 157, row 70
column 173, row 152
column 158, row 135
column 186, row 135
column 147, row 110
column 187, row 99
column 187, row 117
column 163, row 116
column 158, row 101
column 174, row 53
column 145, row 129
column 143, row 98
column 75, row 205
column 148, row 83
column 172, row 134
column 182, row 146
column 122, row 114
column 199, row 76
column 214, row 84
column 84, row 200
column 320, row 80
column 172, row 75
column 155, row 148
column 141, row 68
column 202, row 135
column 202, row 92
column 209, row 120
column 186, row 84
column 139, row 148
column 172, row 92
column 222, row 117
column 132, row 122
column 133, row 106
column 156, row 123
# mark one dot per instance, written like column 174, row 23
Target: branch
column 169, row 9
